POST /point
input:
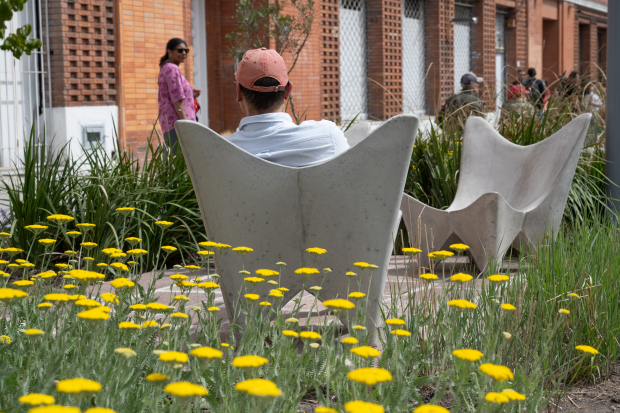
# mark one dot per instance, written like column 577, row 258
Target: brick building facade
column 373, row 58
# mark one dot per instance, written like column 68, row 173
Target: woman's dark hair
column 531, row 72
column 263, row 100
column 171, row 45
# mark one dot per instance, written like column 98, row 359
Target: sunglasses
column 186, row 51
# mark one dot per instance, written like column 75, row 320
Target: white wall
column 70, row 121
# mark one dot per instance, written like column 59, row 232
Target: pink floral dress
column 173, row 87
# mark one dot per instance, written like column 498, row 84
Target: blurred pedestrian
column 464, row 104
column 536, row 87
column 176, row 96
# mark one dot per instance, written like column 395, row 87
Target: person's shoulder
column 168, row 68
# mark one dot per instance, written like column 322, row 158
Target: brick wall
column 83, row 54
column 483, row 45
column 330, row 59
column 145, row 26
column 516, row 43
column 439, row 52
column 385, row 68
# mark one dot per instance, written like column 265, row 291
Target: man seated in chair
column 267, row 131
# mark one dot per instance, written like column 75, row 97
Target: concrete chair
column 507, row 194
column 357, row 133
column 348, row 205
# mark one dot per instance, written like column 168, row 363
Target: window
column 414, row 54
column 462, row 43
column 92, row 137
column 353, row 60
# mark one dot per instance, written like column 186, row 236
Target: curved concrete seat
column 357, row 133
column 507, row 194
column 348, row 205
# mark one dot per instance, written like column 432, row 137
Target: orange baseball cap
column 259, row 63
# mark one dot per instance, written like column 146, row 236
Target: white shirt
column 274, row 137
column 593, row 99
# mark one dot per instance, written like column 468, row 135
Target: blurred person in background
column 176, row 96
column 517, row 106
column 537, row 89
column 464, row 104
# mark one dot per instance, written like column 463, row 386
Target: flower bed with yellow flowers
column 66, row 346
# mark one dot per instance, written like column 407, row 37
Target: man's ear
column 239, row 94
column 287, row 90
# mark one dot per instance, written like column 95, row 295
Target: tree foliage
column 17, row 43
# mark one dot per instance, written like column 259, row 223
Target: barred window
column 353, row 60
column 414, row 57
column 462, row 43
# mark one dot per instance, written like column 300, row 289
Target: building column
column 385, row 68
column 330, row 60
column 483, row 47
column 439, row 53
column 516, row 43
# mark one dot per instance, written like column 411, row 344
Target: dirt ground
column 599, row 397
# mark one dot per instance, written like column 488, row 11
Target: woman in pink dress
column 176, row 95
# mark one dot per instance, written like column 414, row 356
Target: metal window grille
column 462, row 44
column 24, row 87
column 414, row 56
column 500, row 57
column 353, row 60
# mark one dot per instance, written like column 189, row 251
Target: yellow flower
column 358, row 327
column 99, row 410
column 276, row 293
column 109, row 297
column 158, row 307
column 370, row 375
column 507, row 335
column 468, row 354
column 86, row 276
column 411, row 251
column 498, row 278
column 464, row 304
column 587, row 349
column 350, row 340
column 4, row 339
column 34, row 332
column 163, row 224
column 265, row 303
column 361, row 265
column 459, row 247
column 254, row 280
column 306, row 271
column 174, row 357
column 357, row 295
column 315, row 288
column 283, row 289
column 316, row 251
column 23, row 283
column 212, row 309
column 208, row 244
column 154, row 377
column 395, row 322
column 499, row 373
column 292, row 320
column 85, row 226
column 87, row 302
column 57, row 297
column 122, row 283
column 129, row 325
column 77, row 385
column 350, row 274
column 267, row 273
column 243, row 250
column 402, row 333
column 192, row 268
column 508, row 307
column 71, row 253
column 358, row 406
column 53, row 408
column 120, row 266
column 564, row 311
column 179, row 315
column 36, row 399
column 137, row 252
column 513, row 395
column 44, row 305
column 93, row 315
column 60, row 218
column 430, row 408
column 150, row 323
column 185, row 389
column 249, row 361
column 339, row 304
column 76, row 297
column 440, row 255
column 259, row 388
column 181, row 298
column 498, row 398
column 429, row 276
column 126, row 352
column 165, row 326
column 133, row 240
column 365, row 351
column 461, row 277
column 205, row 253
column 178, row 277
column 290, row 333
column 574, row 295
column 47, row 241
column 36, row 228
column 252, row 297
column 9, row 295
column 125, row 210
column 168, row 248
column 206, row 353
column 244, row 272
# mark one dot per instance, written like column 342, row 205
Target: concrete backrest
column 357, row 133
column 523, row 175
column 348, row 205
